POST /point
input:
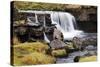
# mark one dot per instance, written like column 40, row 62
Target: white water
column 65, row 22
column 46, row 39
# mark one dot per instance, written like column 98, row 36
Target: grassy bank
column 32, row 53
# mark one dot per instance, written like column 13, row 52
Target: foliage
column 31, row 53
column 34, row 58
column 37, row 6
column 31, row 47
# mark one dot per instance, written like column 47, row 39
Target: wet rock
column 76, row 59
column 90, row 47
column 77, row 43
column 90, row 53
column 64, row 60
column 90, row 41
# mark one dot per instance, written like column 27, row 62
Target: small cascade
column 46, row 39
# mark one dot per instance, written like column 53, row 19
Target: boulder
column 59, row 53
column 77, row 43
column 57, row 44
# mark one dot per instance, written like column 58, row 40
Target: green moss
column 59, row 52
column 38, row 6
column 70, row 45
column 88, row 59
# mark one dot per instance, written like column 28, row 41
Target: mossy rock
column 59, row 52
column 70, row 45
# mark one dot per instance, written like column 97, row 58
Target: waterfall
column 46, row 39
column 66, row 23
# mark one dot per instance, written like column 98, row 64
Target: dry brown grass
column 32, row 53
column 31, row 47
column 38, row 58
column 33, row 58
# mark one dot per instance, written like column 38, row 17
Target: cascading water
column 65, row 22
column 46, row 39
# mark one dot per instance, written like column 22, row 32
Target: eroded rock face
column 21, row 32
column 57, row 34
column 36, row 31
column 25, row 33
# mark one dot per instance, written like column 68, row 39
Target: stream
column 89, row 50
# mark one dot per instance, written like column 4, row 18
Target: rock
column 69, row 45
column 90, row 47
column 77, row 43
column 57, row 34
column 21, row 33
column 90, row 53
column 57, row 44
column 59, row 53
column 76, row 59
column 92, row 40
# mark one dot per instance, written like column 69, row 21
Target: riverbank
column 39, row 52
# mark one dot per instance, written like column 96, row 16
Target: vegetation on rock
column 59, row 52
